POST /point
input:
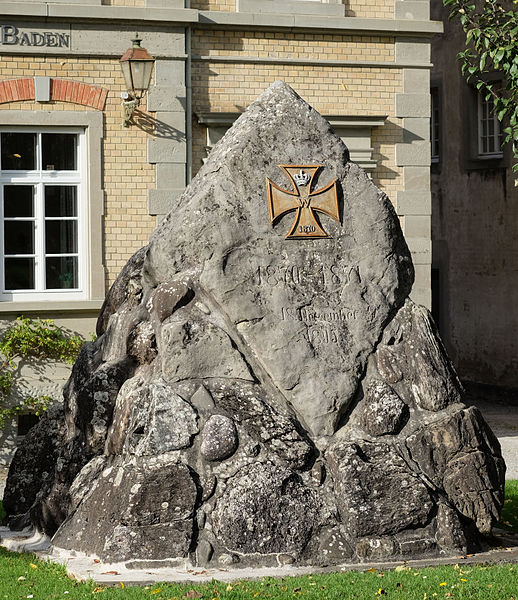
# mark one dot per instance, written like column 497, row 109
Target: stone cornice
column 220, row 19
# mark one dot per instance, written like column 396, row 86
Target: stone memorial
column 262, row 390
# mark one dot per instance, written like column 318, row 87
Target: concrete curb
column 139, row 573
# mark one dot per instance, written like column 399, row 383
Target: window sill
column 496, row 156
column 50, row 307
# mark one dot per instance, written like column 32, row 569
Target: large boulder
column 263, row 390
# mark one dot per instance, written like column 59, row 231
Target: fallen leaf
column 21, row 578
column 96, row 560
column 32, row 566
column 229, row 588
column 110, row 573
column 122, row 585
column 156, row 591
column 193, row 594
column 97, row 590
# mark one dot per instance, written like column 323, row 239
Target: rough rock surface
column 219, row 438
column 253, row 399
column 32, row 467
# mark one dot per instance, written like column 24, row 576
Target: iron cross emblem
column 303, row 201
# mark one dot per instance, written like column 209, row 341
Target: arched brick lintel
column 64, row 90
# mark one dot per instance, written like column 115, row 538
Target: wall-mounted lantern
column 137, row 66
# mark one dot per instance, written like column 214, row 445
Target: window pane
column 60, row 201
column 491, row 127
column 19, row 237
column 61, row 273
column 58, row 151
column 60, row 237
column 19, row 273
column 18, row 151
column 18, row 201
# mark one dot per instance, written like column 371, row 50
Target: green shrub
column 32, row 339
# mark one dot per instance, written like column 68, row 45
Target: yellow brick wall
column 387, row 176
column 138, row 3
column 224, row 5
column 351, row 91
column 370, row 9
column 127, row 174
column 261, row 44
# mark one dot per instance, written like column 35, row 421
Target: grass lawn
column 23, row 576
column 509, row 516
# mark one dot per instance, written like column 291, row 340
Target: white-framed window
column 489, row 129
column 43, row 214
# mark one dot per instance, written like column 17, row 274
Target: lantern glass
column 126, row 71
column 140, row 74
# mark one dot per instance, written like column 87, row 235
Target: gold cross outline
column 282, row 201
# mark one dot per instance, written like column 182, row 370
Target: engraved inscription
column 322, row 335
column 326, row 275
column 324, row 326
column 310, row 315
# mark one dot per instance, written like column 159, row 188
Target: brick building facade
column 364, row 65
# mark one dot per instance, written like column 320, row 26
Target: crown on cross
column 301, row 178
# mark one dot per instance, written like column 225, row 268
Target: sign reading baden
column 10, row 35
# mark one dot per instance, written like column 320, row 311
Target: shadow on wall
column 205, row 92
column 383, row 139
column 155, row 127
column 8, row 445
